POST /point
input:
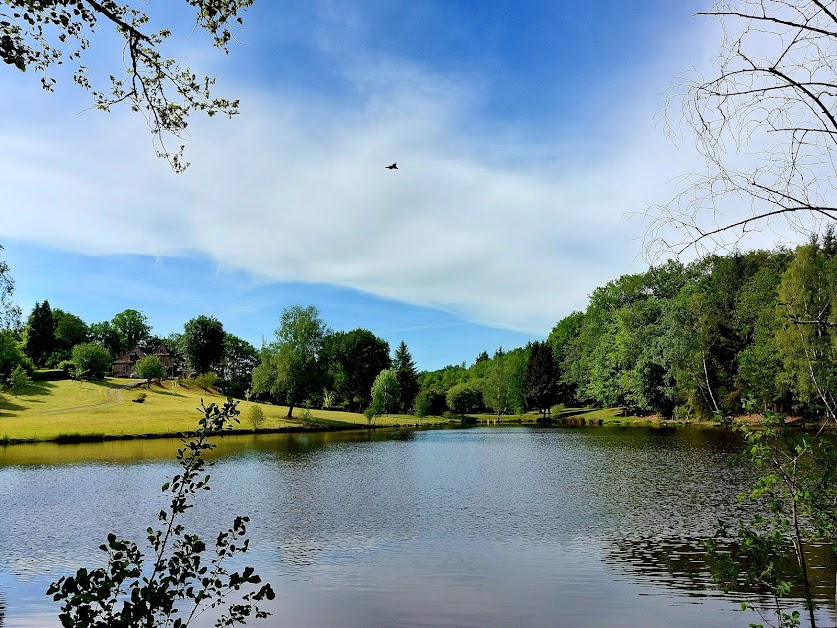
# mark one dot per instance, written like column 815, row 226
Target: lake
column 486, row 526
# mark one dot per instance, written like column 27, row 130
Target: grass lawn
column 47, row 410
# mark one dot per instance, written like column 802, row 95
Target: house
column 123, row 366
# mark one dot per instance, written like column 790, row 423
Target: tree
column 70, row 331
column 180, row 581
column 105, row 335
column 92, row 360
column 132, row 327
column 772, row 99
column 482, row 357
column 498, row 386
column 540, row 381
column 353, row 360
column 203, row 343
column 40, row 334
column 39, row 35
column 149, row 368
column 407, row 374
column 464, row 399
column 385, row 392
column 239, row 361
column 291, row 367
column 9, row 310
column 11, row 355
column 18, row 380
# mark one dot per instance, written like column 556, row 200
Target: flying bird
column 392, row 167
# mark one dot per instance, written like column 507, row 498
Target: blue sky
column 525, row 134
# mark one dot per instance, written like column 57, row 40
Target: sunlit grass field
column 60, row 409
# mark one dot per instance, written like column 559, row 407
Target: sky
column 528, row 139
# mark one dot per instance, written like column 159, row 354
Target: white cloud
column 298, row 191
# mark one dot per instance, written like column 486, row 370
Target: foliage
column 237, row 366
column 407, row 374
column 385, row 392
column 18, row 380
column 11, row 355
column 796, row 494
column 207, row 381
column 70, row 330
column 353, row 361
column 9, row 310
column 540, row 379
column 255, row 416
column 139, row 397
column 291, row 367
column 430, row 402
column 66, row 366
column 498, row 385
column 39, row 35
column 92, row 360
column 203, row 343
column 132, row 328
column 39, row 334
column 464, row 399
column 149, row 368
column 107, row 336
column 183, row 577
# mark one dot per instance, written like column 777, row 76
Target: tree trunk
column 290, row 411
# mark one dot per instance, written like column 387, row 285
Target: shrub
column 92, row 360
column 18, row 380
column 150, row 368
column 207, row 380
column 139, row 397
column 370, row 414
column 66, row 365
column 422, row 406
column 255, row 416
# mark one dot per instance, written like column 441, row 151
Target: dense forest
column 725, row 335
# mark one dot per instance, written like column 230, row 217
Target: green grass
column 77, row 411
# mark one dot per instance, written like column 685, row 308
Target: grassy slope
column 46, row 410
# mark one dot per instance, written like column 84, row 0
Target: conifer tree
column 407, row 375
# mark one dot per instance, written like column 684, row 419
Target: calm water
column 479, row 527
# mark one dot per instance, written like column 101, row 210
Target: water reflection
column 486, row 526
column 2, row 610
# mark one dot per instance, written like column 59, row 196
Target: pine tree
column 405, row 371
column 540, row 380
column 40, row 334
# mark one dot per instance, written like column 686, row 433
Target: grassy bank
column 68, row 411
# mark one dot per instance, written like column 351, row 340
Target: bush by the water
column 255, row 416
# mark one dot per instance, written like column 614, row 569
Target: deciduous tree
column 92, row 360
column 40, row 34
column 150, row 368
column 353, row 360
column 291, row 367
column 132, row 327
column 385, row 392
column 203, row 343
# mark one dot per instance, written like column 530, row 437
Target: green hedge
column 46, row 375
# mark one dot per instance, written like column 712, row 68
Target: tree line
column 720, row 336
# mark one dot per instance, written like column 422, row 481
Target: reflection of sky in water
column 577, row 527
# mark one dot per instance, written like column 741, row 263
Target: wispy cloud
column 477, row 221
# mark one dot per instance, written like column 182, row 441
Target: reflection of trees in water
column 680, row 564
column 2, row 610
